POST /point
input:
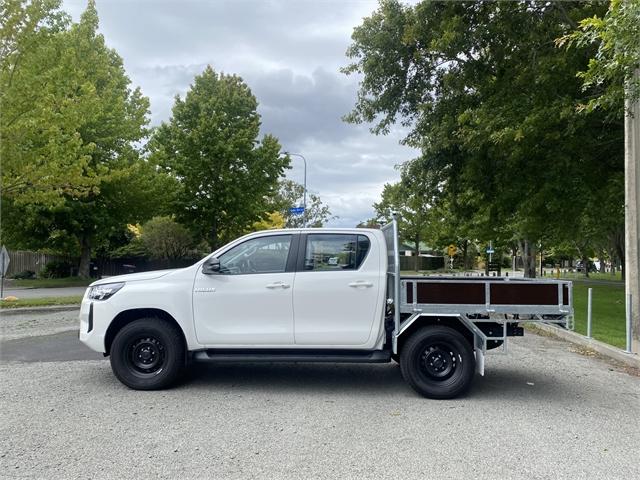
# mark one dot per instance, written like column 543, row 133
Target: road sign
column 4, row 261
column 452, row 250
column 296, row 210
column 490, row 250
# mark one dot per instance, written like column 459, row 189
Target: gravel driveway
column 542, row 411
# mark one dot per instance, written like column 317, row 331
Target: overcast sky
column 289, row 53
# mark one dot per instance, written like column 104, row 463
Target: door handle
column 361, row 283
column 278, row 285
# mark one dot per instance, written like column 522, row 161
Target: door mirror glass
column 211, row 266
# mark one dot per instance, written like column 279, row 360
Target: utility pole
column 631, row 212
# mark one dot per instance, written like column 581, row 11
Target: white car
column 279, row 295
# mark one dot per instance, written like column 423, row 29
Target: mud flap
column 479, row 361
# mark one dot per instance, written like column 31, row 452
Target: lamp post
column 304, row 214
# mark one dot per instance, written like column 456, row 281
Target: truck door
column 249, row 302
column 336, row 290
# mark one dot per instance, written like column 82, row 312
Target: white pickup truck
column 312, row 295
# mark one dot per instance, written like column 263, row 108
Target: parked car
column 591, row 266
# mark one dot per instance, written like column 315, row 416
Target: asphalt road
column 541, row 412
column 44, row 292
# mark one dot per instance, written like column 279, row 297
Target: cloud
column 289, row 53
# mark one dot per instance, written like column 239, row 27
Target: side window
column 327, row 252
column 258, row 255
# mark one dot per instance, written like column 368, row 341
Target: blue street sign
column 296, row 210
column 490, row 250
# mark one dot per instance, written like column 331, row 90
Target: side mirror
column 211, row 266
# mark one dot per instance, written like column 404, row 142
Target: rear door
column 336, row 290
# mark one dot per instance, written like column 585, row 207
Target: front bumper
column 95, row 317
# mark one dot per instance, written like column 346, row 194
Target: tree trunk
column 585, row 265
column 613, row 260
column 85, row 257
column 465, row 255
column 529, row 258
column 417, row 260
column 601, row 256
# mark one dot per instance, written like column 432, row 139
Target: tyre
column 148, row 354
column 438, row 362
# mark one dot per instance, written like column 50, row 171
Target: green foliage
column 211, row 146
column 412, row 210
column 72, row 176
column 291, row 194
column 43, row 156
column 57, row 269
column 25, row 275
column 491, row 102
column 610, row 73
column 164, row 238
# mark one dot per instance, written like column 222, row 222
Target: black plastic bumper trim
column 90, row 319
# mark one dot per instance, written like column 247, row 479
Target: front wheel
column 148, row 354
column 438, row 362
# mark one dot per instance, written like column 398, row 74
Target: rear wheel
column 438, row 362
column 148, row 354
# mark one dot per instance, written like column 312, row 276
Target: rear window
column 330, row 252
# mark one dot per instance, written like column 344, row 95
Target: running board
column 291, row 355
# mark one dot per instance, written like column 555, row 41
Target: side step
column 292, row 355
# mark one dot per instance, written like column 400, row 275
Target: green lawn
column 608, row 319
column 50, row 282
column 592, row 276
column 41, row 302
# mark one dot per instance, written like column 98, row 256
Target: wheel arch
column 127, row 316
column 425, row 320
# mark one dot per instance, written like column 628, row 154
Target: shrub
column 57, row 269
column 25, row 275
column 164, row 238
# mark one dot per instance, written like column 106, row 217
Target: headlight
column 102, row 292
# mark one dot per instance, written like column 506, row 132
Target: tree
column 369, row 223
column 412, row 208
column 43, row 155
column 164, row 238
column 490, row 100
column 610, row 73
column 210, row 145
column 613, row 75
column 273, row 221
column 290, row 194
column 75, row 123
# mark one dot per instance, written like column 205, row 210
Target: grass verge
column 41, row 302
column 608, row 322
column 592, row 276
column 50, row 282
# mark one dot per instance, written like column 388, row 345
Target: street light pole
column 304, row 214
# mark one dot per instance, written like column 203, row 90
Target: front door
column 337, row 291
column 249, row 302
